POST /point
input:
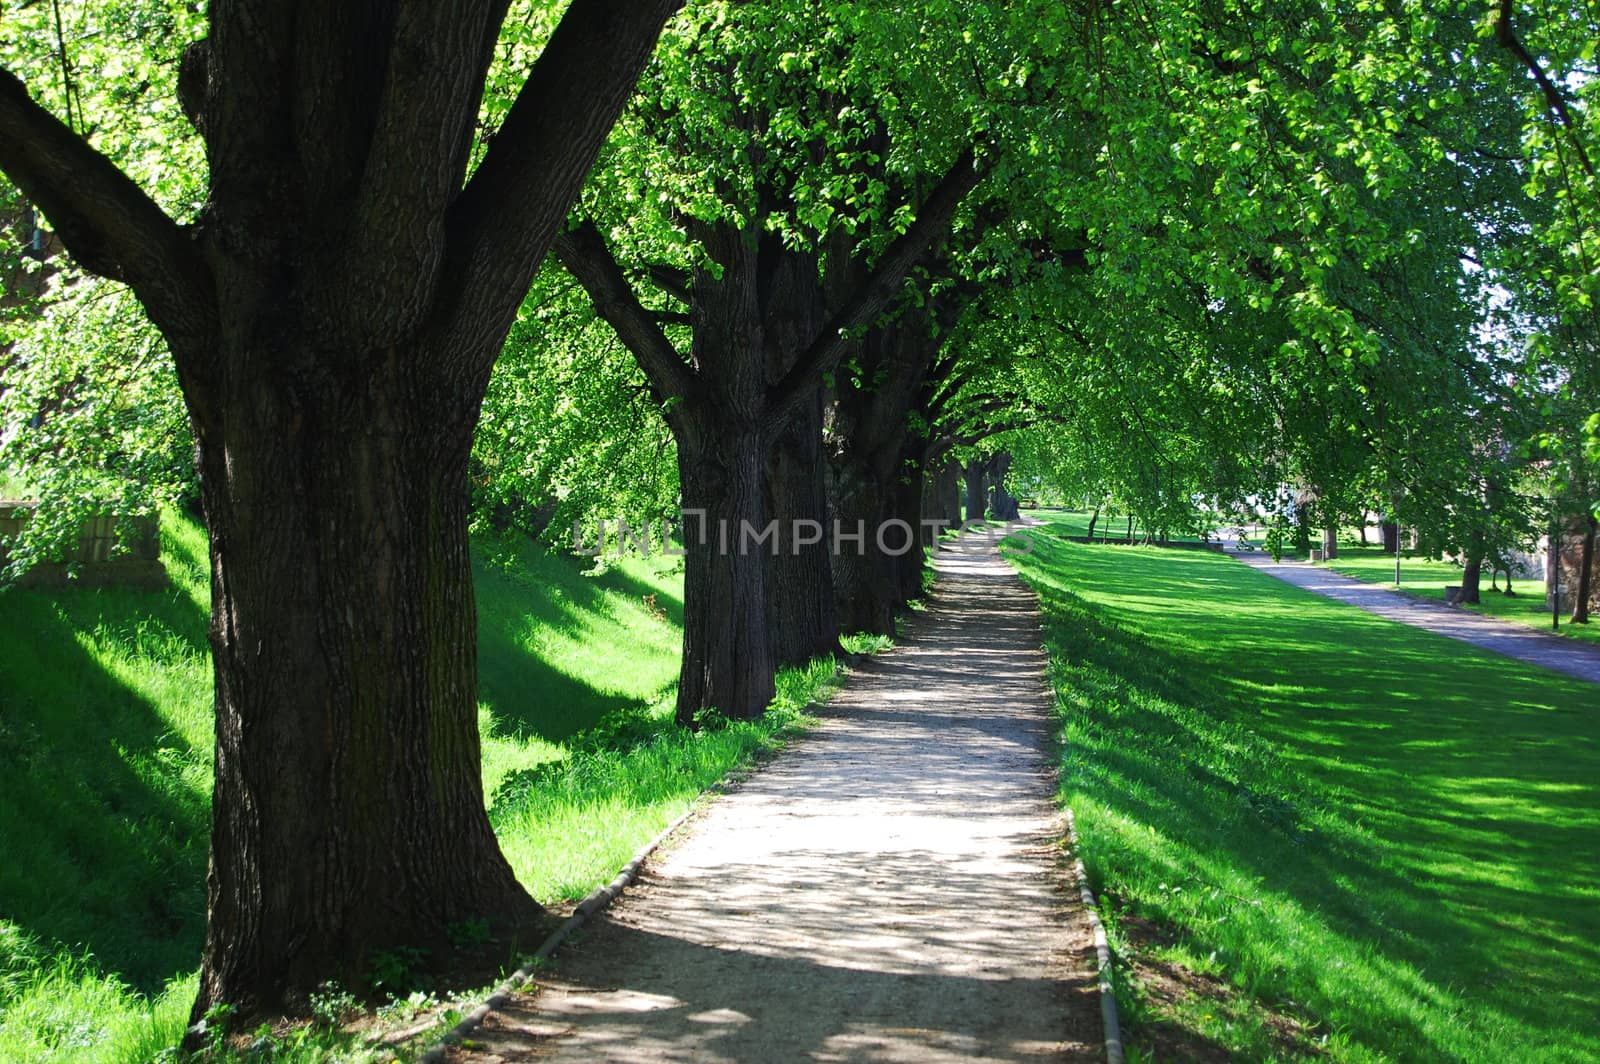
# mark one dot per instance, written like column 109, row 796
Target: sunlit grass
column 105, row 774
column 1392, row 836
column 61, row 1008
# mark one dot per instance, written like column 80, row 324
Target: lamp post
column 1394, row 519
column 1397, row 551
column 1553, row 560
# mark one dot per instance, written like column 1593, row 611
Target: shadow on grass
column 1397, row 831
column 106, row 736
column 532, row 611
column 104, row 797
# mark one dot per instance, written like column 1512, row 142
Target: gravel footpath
column 890, row 888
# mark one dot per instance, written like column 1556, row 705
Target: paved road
column 1504, row 637
column 889, row 889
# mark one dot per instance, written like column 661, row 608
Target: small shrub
column 331, row 1003
column 398, row 971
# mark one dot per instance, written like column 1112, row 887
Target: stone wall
column 96, row 561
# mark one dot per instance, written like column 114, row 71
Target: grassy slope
column 1426, row 578
column 1394, row 836
column 105, row 761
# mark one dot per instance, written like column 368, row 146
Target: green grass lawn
column 105, row 773
column 1426, row 578
column 1367, row 841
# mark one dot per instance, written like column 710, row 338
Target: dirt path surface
column 888, row 889
column 1504, row 637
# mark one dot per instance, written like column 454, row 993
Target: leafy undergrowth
column 105, row 775
column 1317, row 833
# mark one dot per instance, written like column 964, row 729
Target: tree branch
column 505, row 220
column 107, row 222
column 1555, row 100
column 400, row 84
column 671, row 280
column 874, row 297
column 584, row 253
column 995, row 428
column 944, row 383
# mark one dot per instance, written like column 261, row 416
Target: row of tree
column 393, row 270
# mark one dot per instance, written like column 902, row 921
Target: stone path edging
column 1102, row 949
column 1109, row 1017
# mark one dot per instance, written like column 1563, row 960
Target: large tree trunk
column 727, row 653
column 333, row 316
column 875, row 477
column 910, row 563
column 1580, row 607
column 761, row 351
column 1472, row 579
column 724, row 438
column 1004, row 505
column 802, row 620
column 878, row 507
column 864, row 585
column 1330, row 543
column 950, row 494
column 977, row 506
column 348, row 812
column 881, row 502
column 801, row 614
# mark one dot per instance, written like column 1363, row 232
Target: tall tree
column 795, row 180
column 333, row 315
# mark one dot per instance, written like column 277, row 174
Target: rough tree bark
column 1004, row 504
column 973, row 474
column 868, row 425
column 905, row 504
column 1330, row 543
column 950, row 493
column 333, row 317
column 1580, row 607
column 801, row 614
column 727, row 653
column 802, row 620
